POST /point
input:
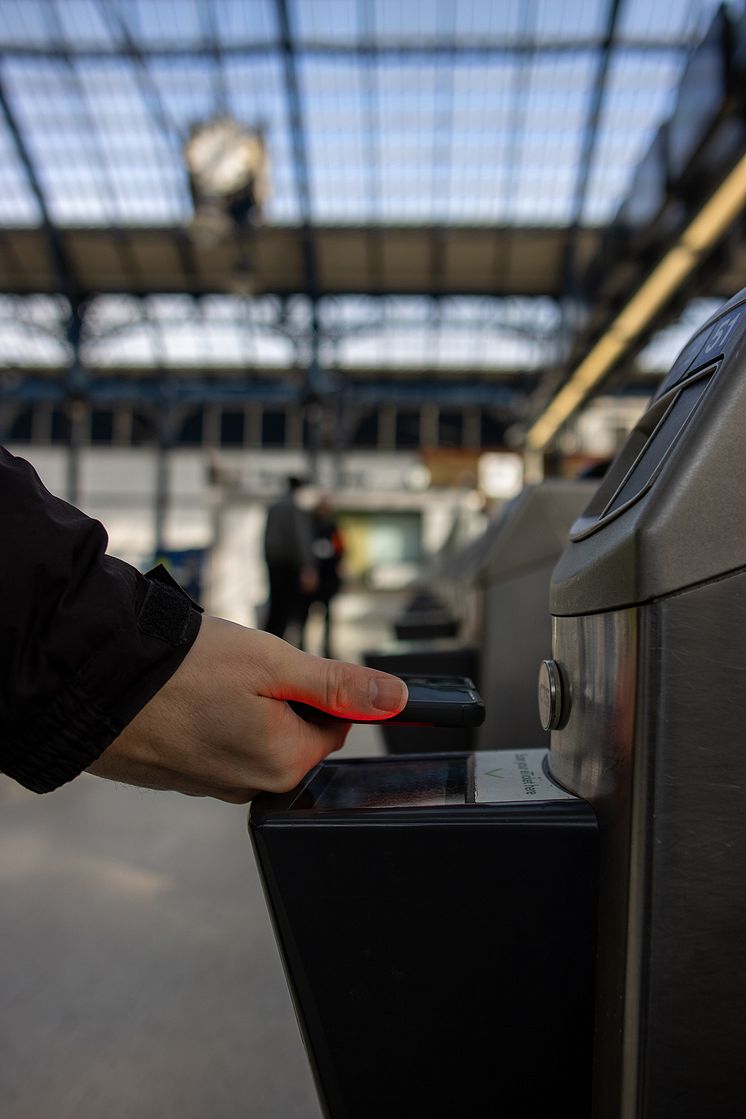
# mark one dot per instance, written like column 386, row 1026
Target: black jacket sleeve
column 85, row 639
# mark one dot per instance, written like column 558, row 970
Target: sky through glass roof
column 430, row 112
column 426, row 112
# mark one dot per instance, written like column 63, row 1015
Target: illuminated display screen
column 396, row 784
column 659, row 444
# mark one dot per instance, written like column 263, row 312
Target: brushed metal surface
column 592, row 757
column 656, row 741
column 597, row 658
column 517, row 632
column 688, row 917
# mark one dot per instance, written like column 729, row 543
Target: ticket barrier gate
column 517, row 626
column 444, row 920
column 504, row 574
column 645, row 697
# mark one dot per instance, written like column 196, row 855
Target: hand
column 219, row 726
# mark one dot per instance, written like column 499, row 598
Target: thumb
column 347, row 690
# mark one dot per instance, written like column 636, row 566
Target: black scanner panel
column 439, row 944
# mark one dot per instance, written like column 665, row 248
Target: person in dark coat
column 290, row 563
column 328, row 550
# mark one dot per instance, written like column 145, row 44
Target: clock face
column 223, row 157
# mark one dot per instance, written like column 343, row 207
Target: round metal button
column 550, row 695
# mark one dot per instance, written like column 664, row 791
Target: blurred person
column 327, row 547
column 290, row 564
column 114, row 672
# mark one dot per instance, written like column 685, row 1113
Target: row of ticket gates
column 550, row 922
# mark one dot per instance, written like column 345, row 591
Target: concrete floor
column 139, row 975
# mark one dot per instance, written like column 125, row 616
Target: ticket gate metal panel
column 649, row 605
column 501, row 583
column 516, row 622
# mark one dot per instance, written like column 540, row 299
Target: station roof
column 471, row 150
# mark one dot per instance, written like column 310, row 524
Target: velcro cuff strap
column 165, row 611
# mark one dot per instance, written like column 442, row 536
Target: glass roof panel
column 177, row 331
column 32, row 331
column 17, row 204
column 188, row 90
column 419, row 19
column 333, row 21
column 570, row 19
column 640, row 95
column 477, row 147
column 664, row 21
column 80, row 23
column 464, row 334
column 236, row 21
column 159, row 23
column 25, row 24
column 476, row 22
column 337, row 105
column 424, row 112
column 136, row 145
column 552, row 120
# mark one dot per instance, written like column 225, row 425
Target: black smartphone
column 434, row 701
